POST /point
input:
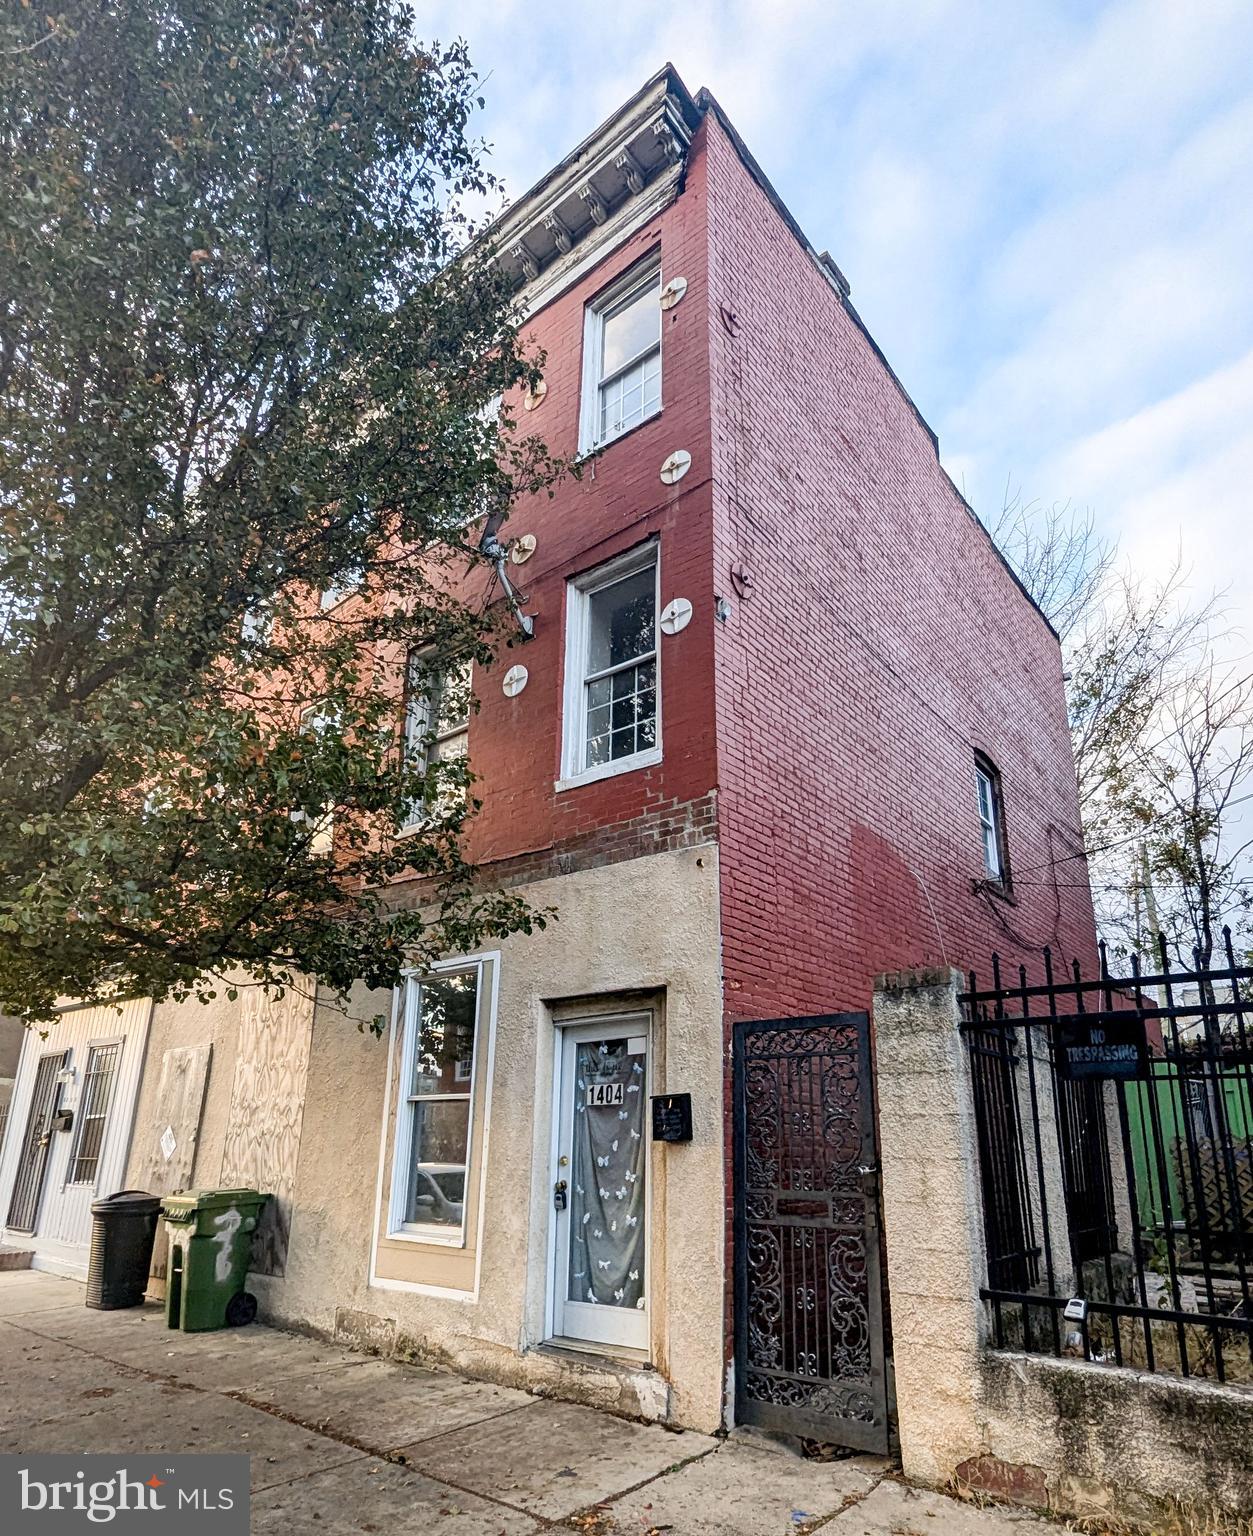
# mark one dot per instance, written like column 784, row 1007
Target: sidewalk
column 344, row 1444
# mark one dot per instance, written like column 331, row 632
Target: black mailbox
column 63, row 1120
column 672, row 1117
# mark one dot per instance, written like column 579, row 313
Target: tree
column 1178, row 799
column 1057, row 554
column 248, row 350
column 1163, row 739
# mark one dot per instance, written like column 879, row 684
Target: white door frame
column 76, row 1199
column 619, row 1329
column 61, row 1239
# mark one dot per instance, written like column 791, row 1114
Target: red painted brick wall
column 837, row 712
column 884, row 644
column 515, row 744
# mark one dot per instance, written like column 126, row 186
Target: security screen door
column 599, row 1279
column 32, row 1165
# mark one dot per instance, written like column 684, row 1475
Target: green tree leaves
column 245, row 347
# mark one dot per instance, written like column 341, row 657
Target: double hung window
column 340, row 587
column 318, row 720
column 437, row 720
column 991, row 821
column 612, row 720
column 622, row 358
column 435, row 1131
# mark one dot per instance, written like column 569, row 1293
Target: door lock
column 560, row 1198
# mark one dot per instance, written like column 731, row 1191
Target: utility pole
column 1150, row 901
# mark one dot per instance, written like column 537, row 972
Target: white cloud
column 1046, row 212
column 1180, row 467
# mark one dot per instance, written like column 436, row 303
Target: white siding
column 63, row 1225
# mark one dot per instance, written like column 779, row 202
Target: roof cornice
column 616, row 179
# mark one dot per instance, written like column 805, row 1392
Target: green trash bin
column 210, row 1245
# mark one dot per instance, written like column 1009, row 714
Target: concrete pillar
column 933, row 1219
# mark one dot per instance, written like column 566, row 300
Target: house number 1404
column 604, row 1093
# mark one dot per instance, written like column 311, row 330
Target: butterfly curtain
column 607, row 1184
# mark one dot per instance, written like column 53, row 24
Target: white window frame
column 256, row 627
column 579, row 592
column 645, row 272
column 990, row 822
column 417, row 726
column 316, row 717
column 402, row 1140
column 117, row 1043
column 346, row 584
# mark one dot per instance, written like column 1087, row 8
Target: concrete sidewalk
column 341, row 1443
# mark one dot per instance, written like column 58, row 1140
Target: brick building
column 786, row 720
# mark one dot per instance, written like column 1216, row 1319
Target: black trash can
column 122, row 1233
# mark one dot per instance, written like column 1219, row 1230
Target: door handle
column 869, row 1177
column 560, row 1198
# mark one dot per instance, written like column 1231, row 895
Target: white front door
column 599, row 1281
column 52, row 1170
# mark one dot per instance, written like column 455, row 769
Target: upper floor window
column 622, row 358
column 437, row 718
column 991, row 820
column 257, row 624
column 319, row 720
column 341, row 586
column 611, row 713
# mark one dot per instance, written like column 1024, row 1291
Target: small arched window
column 991, row 807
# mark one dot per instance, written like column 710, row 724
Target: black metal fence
column 1114, row 1121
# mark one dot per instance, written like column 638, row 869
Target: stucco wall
column 646, row 928
column 1082, row 1439
column 1102, row 1439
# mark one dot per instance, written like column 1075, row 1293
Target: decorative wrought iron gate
column 809, row 1354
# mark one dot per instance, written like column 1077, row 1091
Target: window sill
column 589, row 451
column 997, row 889
column 427, row 824
column 647, row 759
column 435, row 1237
column 413, row 828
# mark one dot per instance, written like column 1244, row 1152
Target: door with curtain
column 599, row 1277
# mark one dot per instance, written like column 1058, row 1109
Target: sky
column 1045, row 211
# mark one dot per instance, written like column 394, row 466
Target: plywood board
column 267, row 1106
column 169, row 1155
column 168, row 1160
